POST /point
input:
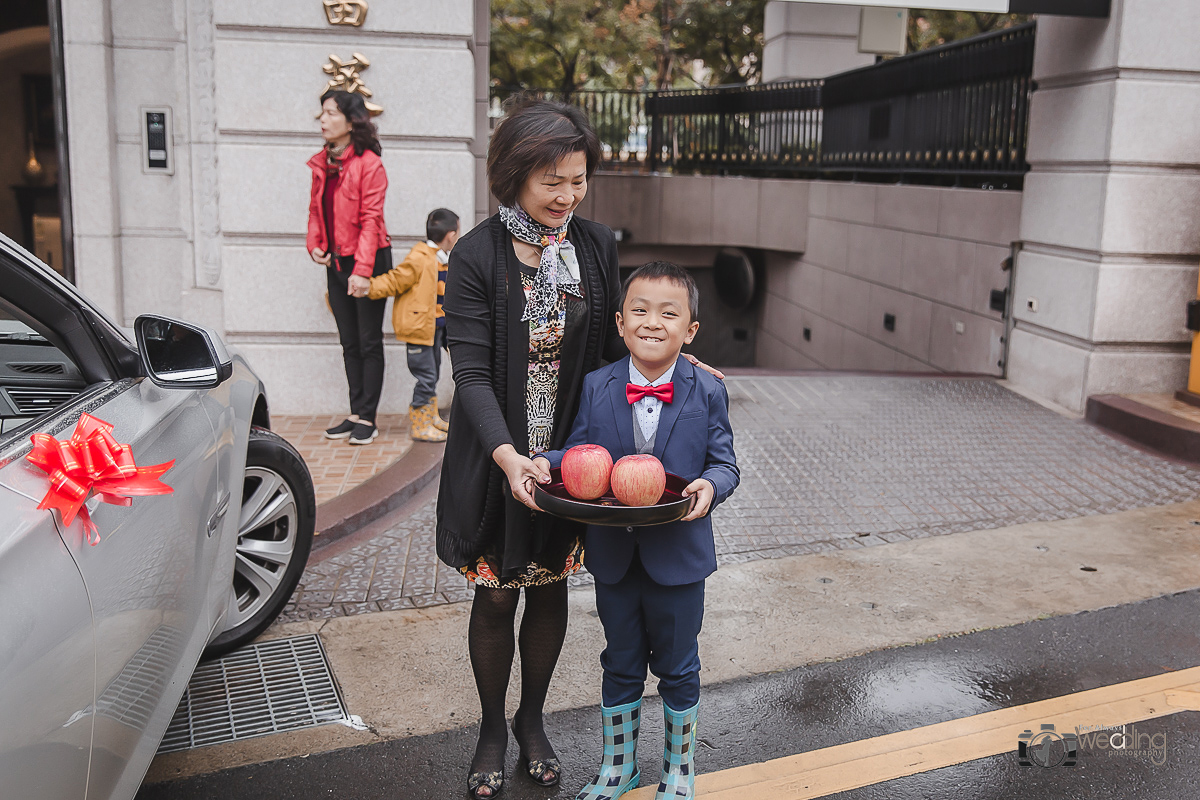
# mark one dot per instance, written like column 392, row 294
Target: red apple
column 585, row 471
column 638, row 480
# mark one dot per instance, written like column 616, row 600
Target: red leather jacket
column 358, row 227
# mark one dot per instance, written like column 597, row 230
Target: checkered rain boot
column 678, row 771
column 618, row 769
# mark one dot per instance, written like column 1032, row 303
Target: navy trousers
column 648, row 624
column 425, row 364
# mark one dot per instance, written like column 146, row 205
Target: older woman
column 530, row 303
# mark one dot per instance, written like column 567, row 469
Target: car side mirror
column 180, row 355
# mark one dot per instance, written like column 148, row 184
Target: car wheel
column 275, row 531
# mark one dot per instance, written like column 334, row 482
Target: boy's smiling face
column 655, row 324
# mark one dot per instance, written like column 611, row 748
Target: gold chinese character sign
column 346, row 12
column 347, row 76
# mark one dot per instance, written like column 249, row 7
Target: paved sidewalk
column 832, row 463
column 829, row 720
column 337, row 467
column 407, row 673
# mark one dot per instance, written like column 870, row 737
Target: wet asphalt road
column 822, row 705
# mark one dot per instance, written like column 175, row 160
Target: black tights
column 490, row 636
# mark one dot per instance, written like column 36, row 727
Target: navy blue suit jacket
column 694, row 440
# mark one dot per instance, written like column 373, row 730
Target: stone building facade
column 219, row 237
column 1106, row 232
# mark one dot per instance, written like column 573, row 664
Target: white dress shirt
column 648, row 410
column 442, row 256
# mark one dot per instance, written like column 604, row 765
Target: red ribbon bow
column 664, row 392
column 92, row 460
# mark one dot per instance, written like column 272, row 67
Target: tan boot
column 438, row 422
column 421, row 425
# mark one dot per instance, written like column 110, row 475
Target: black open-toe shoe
column 489, row 780
column 543, row 771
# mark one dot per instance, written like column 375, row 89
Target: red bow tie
column 664, row 392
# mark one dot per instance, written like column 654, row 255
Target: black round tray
column 553, row 498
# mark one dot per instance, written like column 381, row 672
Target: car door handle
column 214, row 521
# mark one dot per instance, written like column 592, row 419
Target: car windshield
column 12, row 330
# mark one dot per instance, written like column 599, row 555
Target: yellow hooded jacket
column 414, row 284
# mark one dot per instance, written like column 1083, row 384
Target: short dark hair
column 363, row 134
column 536, row 134
column 665, row 270
column 440, row 222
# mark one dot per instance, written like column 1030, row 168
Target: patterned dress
column 541, row 399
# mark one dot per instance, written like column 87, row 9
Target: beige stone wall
column 810, row 40
column 1110, row 223
column 839, row 257
column 930, row 256
column 221, row 241
column 700, row 210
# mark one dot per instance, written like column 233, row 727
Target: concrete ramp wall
column 926, row 257
column 701, row 210
column 840, row 258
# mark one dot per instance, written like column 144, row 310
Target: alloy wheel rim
column 266, row 543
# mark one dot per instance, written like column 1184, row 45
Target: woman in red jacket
column 346, row 233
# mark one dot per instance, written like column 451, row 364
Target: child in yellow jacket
column 419, row 284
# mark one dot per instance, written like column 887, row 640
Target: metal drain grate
column 265, row 688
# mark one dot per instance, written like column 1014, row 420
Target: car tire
column 275, row 531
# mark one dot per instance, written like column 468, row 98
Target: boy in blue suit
column 650, row 581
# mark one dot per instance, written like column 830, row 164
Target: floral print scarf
column 558, row 268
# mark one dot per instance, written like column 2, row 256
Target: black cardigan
column 489, row 349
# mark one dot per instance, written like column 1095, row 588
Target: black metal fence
column 957, row 113
column 774, row 127
column 619, row 119
column 959, row 109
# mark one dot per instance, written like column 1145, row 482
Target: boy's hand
column 542, row 464
column 358, row 286
column 704, row 492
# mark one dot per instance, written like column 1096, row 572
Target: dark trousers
column 360, row 330
column 425, row 364
column 648, row 624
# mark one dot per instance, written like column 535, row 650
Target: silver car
column 97, row 642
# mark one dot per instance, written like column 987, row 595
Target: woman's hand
column 710, row 370
column 521, row 473
column 320, row 256
column 704, row 492
column 359, row 286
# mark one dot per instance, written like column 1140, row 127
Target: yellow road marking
column 869, row 761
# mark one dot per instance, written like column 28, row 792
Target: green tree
column 564, row 45
column 928, row 29
column 723, row 37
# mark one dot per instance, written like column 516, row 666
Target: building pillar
column 810, row 40
column 92, row 152
column 1110, row 222
column 483, row 123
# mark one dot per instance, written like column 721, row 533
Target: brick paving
column 833, row 462
column 337, row 467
